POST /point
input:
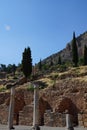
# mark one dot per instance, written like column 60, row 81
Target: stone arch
column 43, row 106
column 18, row 106
column 67, row 104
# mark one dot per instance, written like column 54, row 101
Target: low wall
column 54, row 119
column 82, row 119
column 26, row 116
column 4, row 114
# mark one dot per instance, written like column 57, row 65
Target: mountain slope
column 66, row 53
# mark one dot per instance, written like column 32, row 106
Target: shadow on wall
column 67, row 104
column 43, row 106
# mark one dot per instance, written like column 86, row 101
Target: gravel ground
column 5, row 127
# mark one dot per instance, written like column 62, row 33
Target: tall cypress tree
column 40, row 65
column 74, row 51
column 85, row 55
column 27, row 62
column 59, row 60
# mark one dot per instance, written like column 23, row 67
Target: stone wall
column 28, row 97
column 82, row 119
column 4, row 97
column 3, row 114
column 54, row 119
column 59, row 119
column 26, row 116
column 23, row 113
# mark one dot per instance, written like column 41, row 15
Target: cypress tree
column 85, row 55
column 74, row 51
column 27, row 62
column 40, row 65
column 59, row 60
column 51, row 62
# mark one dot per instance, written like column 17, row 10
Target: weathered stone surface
column 25, row 116
column 3, row 114
column 54, row 119
column 59, row 98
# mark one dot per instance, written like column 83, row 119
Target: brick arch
column 67, row 104
column 43, row 106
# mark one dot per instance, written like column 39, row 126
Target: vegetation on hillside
column 47, row 71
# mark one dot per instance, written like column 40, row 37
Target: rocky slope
column 66, row 53
column 64, row 90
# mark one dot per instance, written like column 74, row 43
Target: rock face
column 66, row 53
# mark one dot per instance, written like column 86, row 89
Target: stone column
column 36, row 106
column 68, row 122
column 11, row 109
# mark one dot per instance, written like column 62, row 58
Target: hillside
column 58, row 91
column 66, row 53
column 60, row 88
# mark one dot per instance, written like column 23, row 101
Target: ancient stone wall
column 4, row 97
column 24, row 108
column 54, row 119
column 82, row 119
column 3, row 114
column 28, row 97
column 26, row 115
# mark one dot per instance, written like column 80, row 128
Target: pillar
column 11, row 109
column 68, row 122
column 36, row 107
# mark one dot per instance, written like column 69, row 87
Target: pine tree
column 27, row 62
column 74, row 51
column 85, row 55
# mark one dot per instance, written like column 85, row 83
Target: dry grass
column 78, row 73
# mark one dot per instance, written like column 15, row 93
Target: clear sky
column 46, row 26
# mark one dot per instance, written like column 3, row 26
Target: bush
column 30, row 87
column 2, row 89
column 62, row 68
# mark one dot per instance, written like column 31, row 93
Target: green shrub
column 2, row 89
column 30, row 87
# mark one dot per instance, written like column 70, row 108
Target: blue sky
column 46, row 26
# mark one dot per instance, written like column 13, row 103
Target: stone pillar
column 68, row 122
column 36, row 106
column 11, row 109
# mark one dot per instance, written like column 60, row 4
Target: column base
column 12, row 128
column 36, row 127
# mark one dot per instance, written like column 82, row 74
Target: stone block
column 85, row 124
column 80, row 123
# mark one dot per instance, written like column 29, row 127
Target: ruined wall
column 50, row 99
column 26, row 115
column 4, row 97
column 3, row 114
column 54, row 119
column 82, row 119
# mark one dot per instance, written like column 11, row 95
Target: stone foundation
column 54, row 119
column 26, row 116
column 82, row 119
column 3, row 114
column 23, row 113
